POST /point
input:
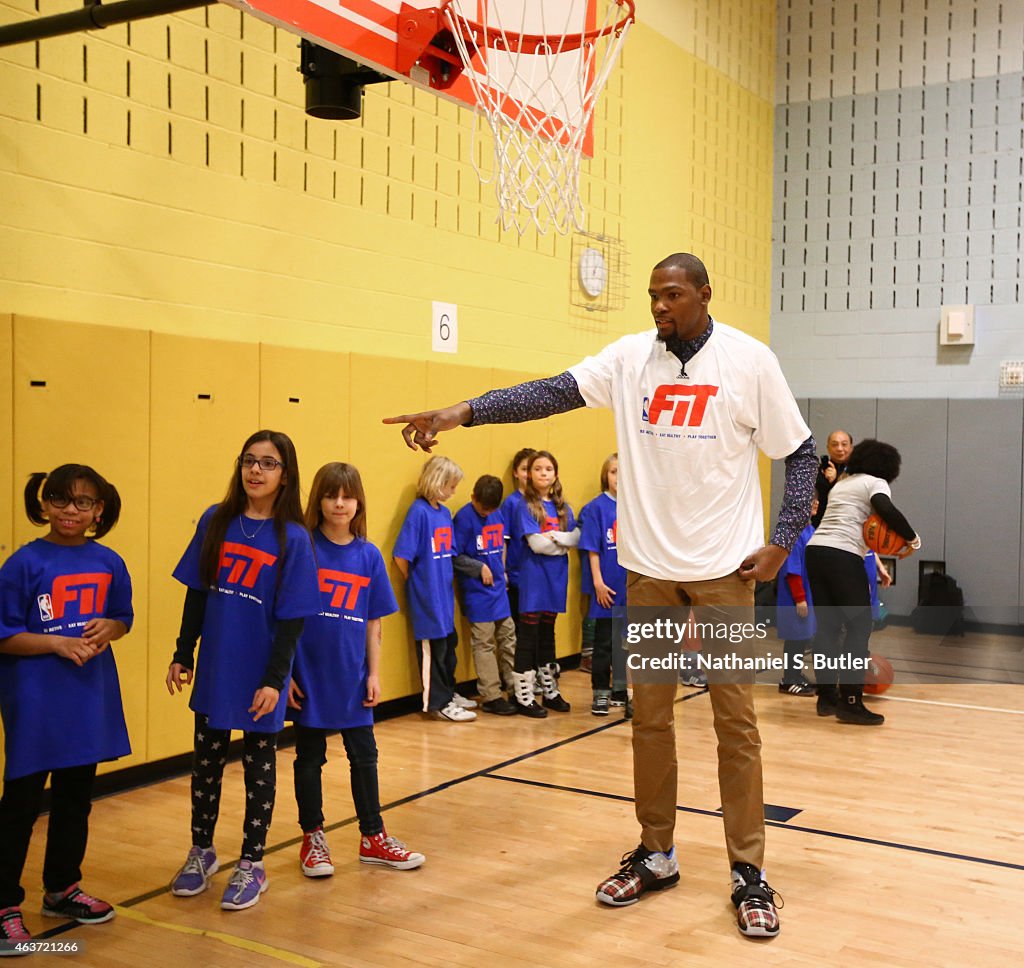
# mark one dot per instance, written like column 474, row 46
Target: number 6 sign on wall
column 445, row 331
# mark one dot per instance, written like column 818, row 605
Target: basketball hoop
column 538, row 89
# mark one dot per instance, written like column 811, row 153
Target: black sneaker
column 756, row 914
column 557, row 703
column 74, row 903
column 499, row 707
column 799, row 687
column 13, row 930
column 600, row 704
column 618, row 697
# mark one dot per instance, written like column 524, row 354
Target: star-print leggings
column 260, row 766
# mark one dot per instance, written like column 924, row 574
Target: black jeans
column 311, row 755
column 66, row 835
column 608, row 662
column 839, row 587
column 535, row 640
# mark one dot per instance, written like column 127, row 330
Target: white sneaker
column 462, row 702
column 454, row 713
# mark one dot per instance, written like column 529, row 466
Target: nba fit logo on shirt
column 491, row 536
column 344, row 588
column 89, row 590
column 244, row 565
column 678, row 405
column 441, row 542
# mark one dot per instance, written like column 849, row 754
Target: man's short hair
column 690, row 264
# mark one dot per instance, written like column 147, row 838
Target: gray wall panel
column 917, row 428
column 984, row 506
column 856, row 417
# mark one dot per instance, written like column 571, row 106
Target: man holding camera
column 833, row 465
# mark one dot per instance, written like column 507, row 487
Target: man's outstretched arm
column 518, row 404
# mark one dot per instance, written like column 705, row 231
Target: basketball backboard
column 390, row 36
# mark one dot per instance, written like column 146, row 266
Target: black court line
column 781, row 825
column 440, row 787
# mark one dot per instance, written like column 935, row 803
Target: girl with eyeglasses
column 251, row 581
column 63, row 599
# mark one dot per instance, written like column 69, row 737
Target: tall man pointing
column 693, row 404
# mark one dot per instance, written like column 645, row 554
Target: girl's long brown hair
column 330, row 480
column 533, row 499
column 287, row 506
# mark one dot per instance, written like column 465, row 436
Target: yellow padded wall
column 205, row 397
column 8, row 503
column 305, row 394
column 81, row 395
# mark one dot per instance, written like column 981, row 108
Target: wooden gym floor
column 904, row 845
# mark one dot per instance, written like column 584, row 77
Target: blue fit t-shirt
column 57, row 714
column 482, row 538
column 330, row 662
column 543, row 579
column 510, row 515
column 599, row 532
column 791, row 626
column 427, row 542
column 242, row 611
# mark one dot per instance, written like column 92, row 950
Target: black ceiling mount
column 334, row 83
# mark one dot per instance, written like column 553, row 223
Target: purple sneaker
column 247, row 883
column 74, row 903
column 194, row 876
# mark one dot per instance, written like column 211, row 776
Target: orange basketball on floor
column 881, row 539
column 879, row 675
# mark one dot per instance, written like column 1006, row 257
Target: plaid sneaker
column 247, row 883
column 755, row 902
column 12, row 929
column 194, row 876
column 76, row 904
column 314, row 857
column 382, row 849
column 642, row 870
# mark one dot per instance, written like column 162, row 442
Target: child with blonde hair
column 423, row 555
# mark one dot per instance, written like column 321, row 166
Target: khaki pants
column 494, row 646
column 739, row 743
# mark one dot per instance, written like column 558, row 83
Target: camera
column 825, row 461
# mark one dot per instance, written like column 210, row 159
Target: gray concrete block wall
column 899, row 188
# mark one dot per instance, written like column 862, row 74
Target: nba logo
column 45, row 608
column 644, row 415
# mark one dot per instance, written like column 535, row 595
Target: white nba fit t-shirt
column 689, row 494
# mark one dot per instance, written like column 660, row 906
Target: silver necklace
column 241, row 518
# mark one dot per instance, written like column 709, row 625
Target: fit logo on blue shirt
column 491, row 536
column 343, row 587
column 245, row 563
column 550, row 524
column 88, row 589
column 441, row 541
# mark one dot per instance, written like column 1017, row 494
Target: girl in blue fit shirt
column 549, row 530
column 600, row 562
column 63, row 599
column 423, row 555
column 336, row 680
column 251, row 580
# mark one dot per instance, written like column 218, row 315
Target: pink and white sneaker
column 74, row 903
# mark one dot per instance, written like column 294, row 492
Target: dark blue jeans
column 311, row 755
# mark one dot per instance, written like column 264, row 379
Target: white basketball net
column 538, row 101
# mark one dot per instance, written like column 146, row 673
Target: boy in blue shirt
column 480, row 568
